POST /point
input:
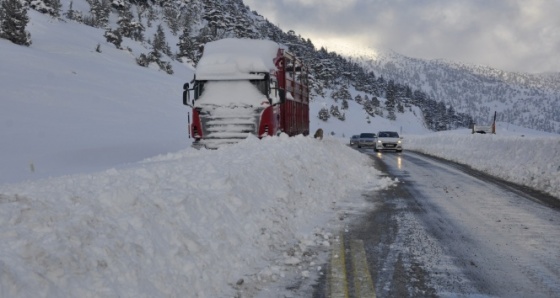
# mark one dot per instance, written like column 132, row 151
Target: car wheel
column 375, row 149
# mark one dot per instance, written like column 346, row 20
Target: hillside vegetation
column 177, row 30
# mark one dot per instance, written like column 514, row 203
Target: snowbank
column 191, row 223
column 533, row 161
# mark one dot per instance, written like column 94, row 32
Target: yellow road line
column 337, row 284
column 363, row 284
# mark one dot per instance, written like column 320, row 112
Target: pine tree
column 400, row 107
column 336, row 113
column 344, row 104
column 127, row 26
column 51, row 7
column 441, row 120
column 152, row 16
column 159, row 44
column 341, row 93
column 114, row 37
column 172, row 18
column 391, row 100
column 125, row 21
column 452, row 118
column 359, row 99
column 369, row 108
column 187, row 47
column 70, row 12
column 324, row 114
column 13, row 19
column 56, row 6
column 375, row 102
column 99, row 10
column 74, row 15
column 143, row 60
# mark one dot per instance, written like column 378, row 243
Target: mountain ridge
column 531, row 100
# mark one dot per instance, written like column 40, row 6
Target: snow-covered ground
column 515, row 154
column 191, row 222
column 101, row 196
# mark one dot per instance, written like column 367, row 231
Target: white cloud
column 511, row 35
column 332, row 5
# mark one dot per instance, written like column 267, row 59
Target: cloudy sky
column 513, row 35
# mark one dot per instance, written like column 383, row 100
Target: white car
column 388, row 140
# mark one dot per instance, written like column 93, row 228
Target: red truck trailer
column 243, row 87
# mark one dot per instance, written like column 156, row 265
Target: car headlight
column 379, row 141
column 399, row 142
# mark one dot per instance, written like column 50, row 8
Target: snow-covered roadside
column 190, row 223
column 532, row 161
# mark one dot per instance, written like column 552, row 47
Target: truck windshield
column 262, row 85
column 388, row 134
column 198, row 88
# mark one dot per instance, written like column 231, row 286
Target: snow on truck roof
column 236, row 59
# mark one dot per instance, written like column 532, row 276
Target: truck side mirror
column 186, row 95
column 282, row 95
column 268, row 83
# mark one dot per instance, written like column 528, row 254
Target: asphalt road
column 446, row 230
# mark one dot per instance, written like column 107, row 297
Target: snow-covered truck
column 243, row 87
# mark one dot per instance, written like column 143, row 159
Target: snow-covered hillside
column 64, row 102
column 530, row 100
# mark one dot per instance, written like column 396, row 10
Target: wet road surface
column 446, row 230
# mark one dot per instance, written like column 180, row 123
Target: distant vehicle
column 366, row 140
column 484, row 129
column 354, row 140
column 388, row 140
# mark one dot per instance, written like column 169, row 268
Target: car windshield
column 367, row 135
column 388, row 134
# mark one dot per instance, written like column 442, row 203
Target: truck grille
column 223, row 125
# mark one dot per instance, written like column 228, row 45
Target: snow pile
column 234, row 59
column 191, row 223
column 529, row 160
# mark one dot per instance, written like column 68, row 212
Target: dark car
column 366, row 140
column 354, row 140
